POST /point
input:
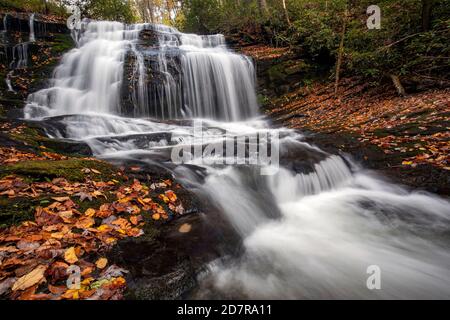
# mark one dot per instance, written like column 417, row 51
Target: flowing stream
column 310, row 227
column 31, row 23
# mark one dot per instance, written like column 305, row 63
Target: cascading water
column 32, row 35
column 89, row 77
column 5, row 23
column 311, row 230
column 20, row 56
column 204, row 85
column 8, row 81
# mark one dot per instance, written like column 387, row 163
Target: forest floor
column 406, row 137
column 59, row 210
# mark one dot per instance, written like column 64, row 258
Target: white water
column 5, row 23
column 311, row 232
column 216, row 82
column 32, row 36
column 8, row 81
column 324, row 241
column 89, row 77
column 20, row 56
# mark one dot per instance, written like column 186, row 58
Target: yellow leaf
column 87, row 281
column 164, row 198
column 95, row 171
column 30, row 279
column 156, row 216
column 104, row 228
column 90, row 212
column 101, row 263
column 71, row 294
column 126, row 199
column 70, row 255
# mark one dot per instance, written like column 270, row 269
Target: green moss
column 34, row 138
column 29, row 136
column 14, row 211
column 62, row 43
column 277, row 73
column 70, row 169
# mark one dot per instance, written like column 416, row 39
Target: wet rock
column 20, row 21
column 67, row 146
column 164, row 263
column 154, row 84
column 27, row 64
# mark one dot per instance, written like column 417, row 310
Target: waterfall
column 217, row 84
column 32, row 36
column 89, row 77
column 213, row 82
column 8, row 81
column 20, row 56
column 5, row 23
column 310, row 230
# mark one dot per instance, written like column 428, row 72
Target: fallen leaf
column 90, row 212
column 135, row 219
column 61, row 199
column 171, row 195
column 101, row 263
column 185, row 228
column 30, row 279
column 156, row 216
column 70, row 255
column 85, row 223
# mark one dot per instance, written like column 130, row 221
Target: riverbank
column 405, row 138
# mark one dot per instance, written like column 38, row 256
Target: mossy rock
column 33, row 137
column 14, row 211
column 277, row 73
column 70, row 169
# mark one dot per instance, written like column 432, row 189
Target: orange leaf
column 101, row 263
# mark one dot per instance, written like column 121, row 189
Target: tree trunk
column 286, row 13
column 398, row 85
column 45, row 7
column 262, row 4
column 340, row 53
column 427, row 7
